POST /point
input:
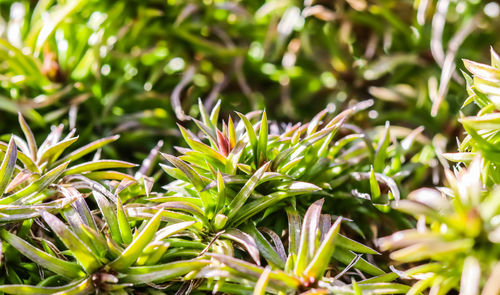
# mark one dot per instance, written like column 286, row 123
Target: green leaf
column 162, row 272
column 262, row 282
column 8, row 165
column 234, row 157
column 210, row 133
column 357, row 290
column 108, row 211
column 53, row 152
column 251, row 208
column 197, row 180
column 56, row 17
column 98, row 165
column 384, row 288
column 244, row 240
column 240, row 199
column 252, row 136
column 77, row 154
column 482, row 70
column 37, row 186
column 85, row 232
column 232, row 132
column 346, row 257
column 201, row 147
column 28, row 163
column 30, row 290
column 204, row 114
column 374, row 187
column 318, row 265
column 262, row 145
column 347, row 243
column 214, row 115
column 307, row 246
column 125, row 231
column 54, row 264
column 134, row 250
column 294, row 225
column 313, row 125
column 25, row 65
column 82, row 253
column 277, row 278
column 30, row 139
column 381, row 153
column 85, row 287
column 172, row 229
column 265, row 248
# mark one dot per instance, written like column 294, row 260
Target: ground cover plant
column 263, row 147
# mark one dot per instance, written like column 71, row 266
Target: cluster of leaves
column 482, row 129
column 456, row 239
column 459, row 249
column 215, row 226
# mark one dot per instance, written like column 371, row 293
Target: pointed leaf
column 307, row 246
column 252, row 136
column 108, row 211
column 53, row 152
column 30, row 139
column 98, row 165
column 162, row 272
column 84, row 150
column 240, row 199
column 260, row 287
column 8, row 165
column 318, row 264
column 125, row 231
column 38, row 185
column 54, row 264
column 263, row 134
column 134, row 250
column 82, row 253
column 198, row 182
column 246, row 241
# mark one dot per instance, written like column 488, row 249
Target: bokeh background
column 135, row 68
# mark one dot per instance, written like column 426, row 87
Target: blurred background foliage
column 136, row 67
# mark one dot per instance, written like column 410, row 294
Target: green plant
column 34, row 174
column 456, row 240
column 482, row 129
column 247, row 171
column 312, row 246
column 84, row 259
